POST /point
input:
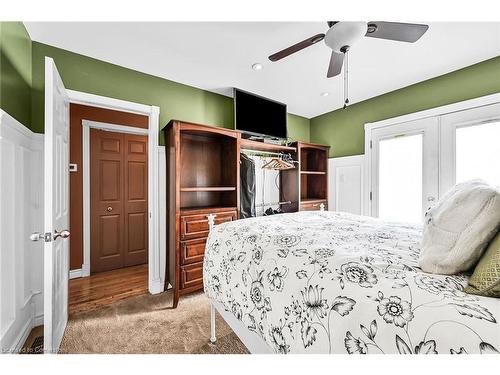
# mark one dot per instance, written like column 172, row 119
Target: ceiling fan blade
column 335, row 66
column 402, row 32
column 297, row 47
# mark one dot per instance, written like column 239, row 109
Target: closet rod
column 273, row 204
column 255, row 152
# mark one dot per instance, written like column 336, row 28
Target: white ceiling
column 218, row 56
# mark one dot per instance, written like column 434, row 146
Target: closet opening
column 108, row 206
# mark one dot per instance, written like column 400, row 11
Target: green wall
column 343, row 129
column 176, row 101
column 15, row 71
column 298, row 128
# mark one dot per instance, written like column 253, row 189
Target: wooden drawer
column 196, row 226
column 192, row 251
column 192, row 275
column 312, row 206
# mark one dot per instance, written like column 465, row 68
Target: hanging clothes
column 247, row 190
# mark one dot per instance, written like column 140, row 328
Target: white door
column 56, row 208
column 404, row 170
column 470, row 146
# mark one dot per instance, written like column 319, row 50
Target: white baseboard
column 75, row 274
column 156, row 287
column 38, row 321
column 85, row 270
column 23, row 335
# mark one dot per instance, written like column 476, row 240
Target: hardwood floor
column 104, row 288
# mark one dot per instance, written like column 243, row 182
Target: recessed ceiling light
column 325, row 93
column 257, row 66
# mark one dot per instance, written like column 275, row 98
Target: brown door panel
column 119, row 205
column 136, row 199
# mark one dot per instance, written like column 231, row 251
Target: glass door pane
column 400, row 178
column 478, row 153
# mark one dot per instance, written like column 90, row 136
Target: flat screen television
column 259, row 116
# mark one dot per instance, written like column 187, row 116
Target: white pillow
column 458, row 228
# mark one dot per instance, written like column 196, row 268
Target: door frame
column 155, row 285
column 395, row 121
column 86, row 126
column 429, row 129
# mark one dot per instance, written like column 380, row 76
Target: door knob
column 63, row 234
column 431, row 199
column 109, row 209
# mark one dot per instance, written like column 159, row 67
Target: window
column 478, row 153
column 400, row 178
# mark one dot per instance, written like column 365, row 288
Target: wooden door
column 118, row 195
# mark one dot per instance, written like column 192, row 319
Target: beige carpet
column 148, row 324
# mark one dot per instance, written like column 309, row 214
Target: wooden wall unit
column 203, row 178
column 307, row 186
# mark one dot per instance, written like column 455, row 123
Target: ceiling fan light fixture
column 344, row 34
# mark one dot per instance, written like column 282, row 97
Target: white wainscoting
column 346, row 184
column 21, row 213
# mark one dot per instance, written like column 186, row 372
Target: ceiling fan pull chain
column 346, row 78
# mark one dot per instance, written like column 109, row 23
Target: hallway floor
column 104, row 288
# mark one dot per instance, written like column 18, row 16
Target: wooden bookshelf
column 307, row 186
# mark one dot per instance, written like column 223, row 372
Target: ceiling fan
column 341, row 36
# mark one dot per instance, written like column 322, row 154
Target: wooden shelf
column 262, row 146
column 313, row 172
column 213, row 188
column 202, row 209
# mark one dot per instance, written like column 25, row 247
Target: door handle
column 37, row 236
column 63, row 234
column 109, row 209
column 431, row 199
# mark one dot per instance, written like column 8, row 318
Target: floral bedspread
column 328, row 282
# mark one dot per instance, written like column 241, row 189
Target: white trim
column 78, row 97
column 115, row 128
column 436, row 111
column 23, row 336
column 162, row 213
column 153, row 112
column 75, row 274
column 86, row 201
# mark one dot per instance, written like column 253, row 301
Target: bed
column 329, row 282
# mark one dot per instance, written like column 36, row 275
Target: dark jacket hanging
column 247, row 188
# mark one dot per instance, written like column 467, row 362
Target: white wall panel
column 21, row 265
column 346, row 185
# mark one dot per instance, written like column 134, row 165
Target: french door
column 470, row 146
column 404, row 170
column 414, row 163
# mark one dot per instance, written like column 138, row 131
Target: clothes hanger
column 277, row 163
